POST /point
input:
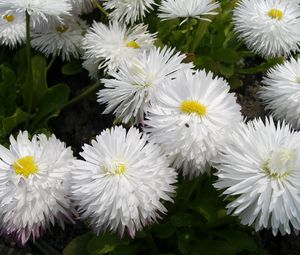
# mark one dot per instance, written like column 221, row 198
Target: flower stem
column 99, row 6
column 87, row 92
column 29, row 66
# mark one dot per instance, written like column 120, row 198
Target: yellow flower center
column 193, row 106
column 275, row 14
column 133, row 44
column 25, row 166
column 280, row 164
column 9, row 18
column 120, row 168
column 62, row 29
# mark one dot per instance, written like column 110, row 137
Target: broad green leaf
column 11, row 122
column 104, row 244
column 71, row 68
column 163, row 230
column 213, row 247
column 38, row 87
column 78, row 246
column 7, row 91
column 53, row 100
column 226, row 55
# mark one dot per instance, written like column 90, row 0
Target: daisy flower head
column 260, row 167
column 60, row 39
column 35, row 181
column 132, row 88
column 12, row 28
column 82, row 6
column 115, row 44
column 128, row 11
column 38, row 9
column 172, row 9
column 281, row 92
column 122, row 182
column 270, row 27
column 190, row 119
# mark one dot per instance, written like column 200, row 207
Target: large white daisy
column 115, row 44
column 38, row 8
column 60, row 39
column 123, row 181
column 128, row 10
column 35, row 180
column 12, row 28
column 190, row 119
column 281, row 92
column 269, row 27
column 172, row 9
column 132, row 88
column 259, row 167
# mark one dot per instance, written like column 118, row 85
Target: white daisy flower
column 35, row 179
column 128, row 10
column 60, row 39
column 191, row 117
column 122, row 182
column 260, row 167
column 172, row 9
column 270, row 27
column 82, row 6
column 281, row 92
column 12, row 28
column 132, row 88
column 38, row 8
column 91, row 65
column 115, row 44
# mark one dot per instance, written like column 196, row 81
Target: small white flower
column 60, row 39
column 132, row 88
column 172, row 9
column 35, row 180
column 190, row 119
column 91, row 65
column 259, row 167
column 82, row 6
column 270, row 27
column 115, row 44
column 281, row 92
column 128, row 10
column 38, row 8
column 123, row 182
column 12, row 28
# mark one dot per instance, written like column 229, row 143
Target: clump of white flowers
column 190, row 119
column 122, row 181
column 35, row 181
column 269, row 28
column 131, row 90
column 259, row 167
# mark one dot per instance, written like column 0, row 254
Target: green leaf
column 7, row 92
column 78, row 246
column 183, row 243
column 226, row 70
column 182, row 220
column 241, row 241
column 163, row 230
column 213, row 247
column 104, row 244
column 53, row 100
column 71, row 68
column 38, row 87
column 226, row 55
column 11, row 122
column 126, row 250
